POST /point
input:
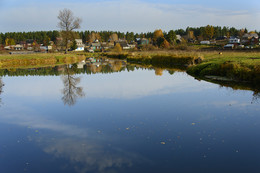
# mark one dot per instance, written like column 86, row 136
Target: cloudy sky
column 130, row 15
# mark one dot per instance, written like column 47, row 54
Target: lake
column 112, row 117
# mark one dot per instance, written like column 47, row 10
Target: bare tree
column 67, row 23
column 71, row 92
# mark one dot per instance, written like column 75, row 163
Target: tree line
column 44, row 37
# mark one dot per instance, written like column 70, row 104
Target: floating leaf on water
column 127, row 128
column 163, row 143
column 193, row 124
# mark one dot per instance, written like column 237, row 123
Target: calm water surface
column 128, row 121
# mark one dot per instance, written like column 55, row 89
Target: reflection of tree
column 1, row 88
column 256, row 97
column 71, row 91
column 158, row 71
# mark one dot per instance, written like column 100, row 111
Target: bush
column 118, row 48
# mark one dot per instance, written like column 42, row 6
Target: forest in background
column 199, row 33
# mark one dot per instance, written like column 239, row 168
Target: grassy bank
column 165, row 59
column 235, row 66
column 38, row 60
column 230, row 65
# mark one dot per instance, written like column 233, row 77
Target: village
column 147, row 41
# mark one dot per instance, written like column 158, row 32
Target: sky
column 130, row 15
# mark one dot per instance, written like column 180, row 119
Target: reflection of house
column 80, row 45
column 81, row 64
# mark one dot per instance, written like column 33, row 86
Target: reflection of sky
column 122, row 85
column 79, row 145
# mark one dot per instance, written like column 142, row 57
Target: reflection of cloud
column 38, row 122
column 137, row 85
column 88, row 156
column 123, row 85
column 85, row 151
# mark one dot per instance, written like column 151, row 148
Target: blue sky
column 130, row 15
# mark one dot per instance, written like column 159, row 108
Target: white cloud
column 126, row 15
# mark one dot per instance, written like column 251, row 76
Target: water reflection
column 87, row 155
column 1, row 89
column 256, row 97
column 237, row 86
column 85, row 149
column 71, row 91
column 170, row 123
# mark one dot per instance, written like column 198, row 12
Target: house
column 18, row 47
column 44, row 48
column 178, row 39
column 234, row 40
column 7, row 48
column 205, row 42
column 123, row 44
column 229, row 46
column 80, row 45
column 132, row 46
column 142, row 41
column 95, row 46
column 250, row 39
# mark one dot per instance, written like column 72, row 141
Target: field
column 37, row 60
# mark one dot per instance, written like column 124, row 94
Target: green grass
column 238, row 66
column 38, row 60
column 235, row 65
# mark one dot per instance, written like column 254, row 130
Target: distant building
column 229, row 46
column 123, row 44
column 142, row 41
column 205, row 42
column 80, row 45
column 7, row 47
column 234, row 40
column 250, row 39
column 95, row 46
column 18, row 47
column 178, row 38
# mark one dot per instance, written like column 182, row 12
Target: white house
column 205, row 42
column 18, row 47
column 80, row 45
column 234, row 40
